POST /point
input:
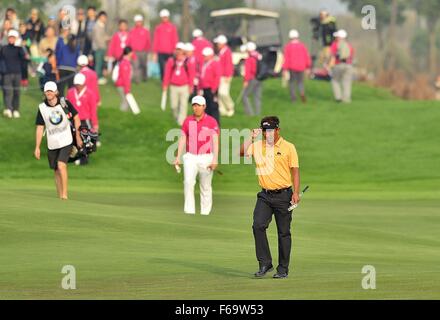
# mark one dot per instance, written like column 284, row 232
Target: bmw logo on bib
column 55, row 117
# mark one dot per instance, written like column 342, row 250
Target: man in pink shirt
column 226, row 104
column 84, row 101
column 200, row 138
column 251, row 84
column 296, row 61
column 341, row 67
column 91, row 77
column 118, row 42
column 165, row 40
column 139, row 41
column 200, row 42
column 179, row 78
column 209, row 83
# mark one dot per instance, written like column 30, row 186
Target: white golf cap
column 13, row 33
column 293, row 34
column 138, row 18
column 251, row 46
column 50, row 86
column 82, row 60
column 340, row 34
column 79, row 79
column 221, row 39
column 198, row 100
column 164, row 13
column 208, row 51
column 197, row 33
column 180, row 45
column 243, row 48
column 189, row 46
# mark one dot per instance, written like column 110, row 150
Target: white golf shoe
column 16, row 114
column 7, row 113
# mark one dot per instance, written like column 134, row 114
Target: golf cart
column 242, row 25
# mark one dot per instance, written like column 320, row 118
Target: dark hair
column 122, row 21
column 273, row 120
column 127, row 50
column 72, row 43
column 91, row 8
column 101, row 13
column 50, row 52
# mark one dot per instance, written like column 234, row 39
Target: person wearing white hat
column 91, row 77
column 341, row 67
column 251, row 84
column 164, row 40
column 210, row 82
column 200, row 42
column 55, row 115
column 226, row 104
column 141, row 44
column 200, row 139
column 84, row 101
column 296, row 60
column 13, row 57
column 179, row 79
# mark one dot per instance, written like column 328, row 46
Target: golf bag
column 89, row 139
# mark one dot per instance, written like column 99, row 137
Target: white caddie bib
column 59, row 134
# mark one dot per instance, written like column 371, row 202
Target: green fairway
column 374, row 199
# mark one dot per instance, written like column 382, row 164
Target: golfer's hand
column 176, row 162
column 37, row 153
column 79, row 142
column 245, row 85
column 213, row 166
column 295, row 198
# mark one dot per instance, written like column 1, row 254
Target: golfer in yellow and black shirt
column 277, row 169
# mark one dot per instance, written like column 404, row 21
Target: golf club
column 295, row 205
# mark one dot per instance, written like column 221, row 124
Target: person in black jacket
column 13, row 57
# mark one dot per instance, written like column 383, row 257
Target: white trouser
column 192, row 165
column 179, row 102
column 226, row 104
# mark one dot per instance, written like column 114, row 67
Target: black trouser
column 163, row 58
column 11, row 91
column 277, row 204
column 66, row 78
column 211, row 104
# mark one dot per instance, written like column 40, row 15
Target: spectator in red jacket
column 296, row 61
column 251, row 83
column 165, row 40
column 226, row 105
column 139, row 41
column 123, row 83
column 118, row 42
column 84, row 102
column 91, row 77
column 179, row 78
column 200, row 42
column 210, row 82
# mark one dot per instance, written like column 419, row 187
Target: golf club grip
column 305, row 189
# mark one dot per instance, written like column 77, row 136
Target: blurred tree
column 389, row 14
column 89, row 3
column 430, row 10
column 200, row 11
column 24, row 7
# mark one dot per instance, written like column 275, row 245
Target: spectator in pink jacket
column 226, row 104
column 123, row 83
column 139, row 41
column 200, row 42
column 209, row 83
column 192, row 65
column 296, row 61
column 251, row 84
column 84, row 102
column 91, row 77
column 179, row 78
column 118, row 41
column 164, row 41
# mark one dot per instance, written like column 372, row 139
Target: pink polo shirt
column 199, row 134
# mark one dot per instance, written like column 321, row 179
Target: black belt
column 277, row 190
